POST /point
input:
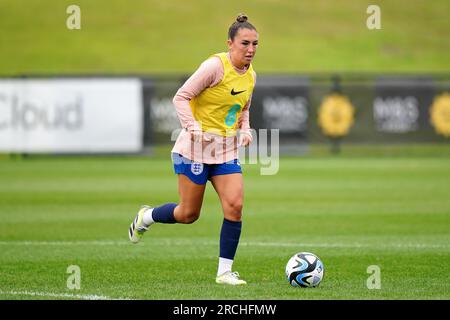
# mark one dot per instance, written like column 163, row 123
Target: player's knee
column 236, row 206
column 190, row 216
column 235, row 210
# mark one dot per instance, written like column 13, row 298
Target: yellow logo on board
column 440, row 114
column 336, row 115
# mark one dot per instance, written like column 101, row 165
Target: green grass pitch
column 161, row 37
column 353, row 211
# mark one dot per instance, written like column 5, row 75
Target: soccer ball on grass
column 304, row 269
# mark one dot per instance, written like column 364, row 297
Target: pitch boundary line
column 59, row 295
column 242, row 243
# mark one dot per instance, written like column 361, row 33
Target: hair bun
column 241, row 18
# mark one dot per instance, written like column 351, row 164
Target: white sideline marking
column 65, row 243
column 214, row 243
column 59, row 295
column 346, row 245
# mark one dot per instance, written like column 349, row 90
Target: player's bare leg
column 230, row 189
column 187, row 211
column 191, row 199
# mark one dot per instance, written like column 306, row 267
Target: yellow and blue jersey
column 217, row 109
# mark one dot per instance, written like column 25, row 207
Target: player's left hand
column 245, row 138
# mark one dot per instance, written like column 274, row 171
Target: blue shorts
column 200, row 173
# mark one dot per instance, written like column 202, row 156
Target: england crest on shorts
column 196, row 168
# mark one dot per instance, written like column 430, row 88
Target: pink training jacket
column 215, row 148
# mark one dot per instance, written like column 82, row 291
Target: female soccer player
column 211, row 105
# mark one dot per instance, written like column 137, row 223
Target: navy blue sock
column 164, row 213
column 229, row 238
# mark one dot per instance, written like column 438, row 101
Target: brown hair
column 240, row 23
